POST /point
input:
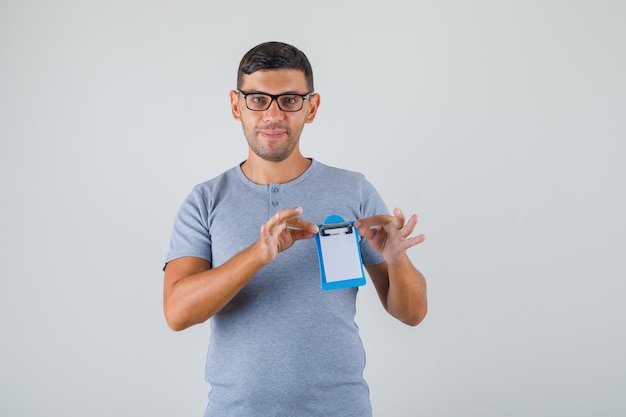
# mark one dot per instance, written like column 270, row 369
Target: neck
column 265, row 172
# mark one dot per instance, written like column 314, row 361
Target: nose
column 273, row 112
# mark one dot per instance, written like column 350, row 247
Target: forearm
column 193, row 291
column 194, row 298
column 406, row 297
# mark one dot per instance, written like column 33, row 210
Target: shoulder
column 202, row 196
column 210, row 186
column 338, row 173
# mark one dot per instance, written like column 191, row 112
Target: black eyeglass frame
column 274, row 98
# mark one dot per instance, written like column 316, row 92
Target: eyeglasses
column 262, row 102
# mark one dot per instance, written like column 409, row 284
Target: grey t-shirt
column 282, row 346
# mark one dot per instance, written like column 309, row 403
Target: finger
column 271, row 230
column 409, row 226
column 268, row 234
column 292, row 212
column 376, row 220
column 397, row 224
column 284, row 215
column 416, row 240
column 297, row 234
column 399, row 217
column 300, row 223
column 366, row 232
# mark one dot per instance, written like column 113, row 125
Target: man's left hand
column 390, row 235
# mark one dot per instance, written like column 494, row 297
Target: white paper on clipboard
column 339, row 254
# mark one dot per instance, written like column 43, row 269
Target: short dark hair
column 275, row 55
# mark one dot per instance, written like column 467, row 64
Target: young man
column 242, row 254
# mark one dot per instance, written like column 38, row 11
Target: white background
column 501, row 123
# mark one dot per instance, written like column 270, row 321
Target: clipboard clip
column 343, row 228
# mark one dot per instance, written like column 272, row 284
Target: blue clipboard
column 339, row 254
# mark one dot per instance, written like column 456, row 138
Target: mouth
column 273, row 132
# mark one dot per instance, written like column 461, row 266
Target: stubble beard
column 275, row 152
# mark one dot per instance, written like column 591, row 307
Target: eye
column 289, row 100
column 258, row 99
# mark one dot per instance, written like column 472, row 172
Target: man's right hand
column 281, row 231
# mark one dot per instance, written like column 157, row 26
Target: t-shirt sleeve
column 190, row 234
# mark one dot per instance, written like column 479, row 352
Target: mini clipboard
column 339, row 254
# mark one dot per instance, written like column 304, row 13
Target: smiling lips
column 273, row 131
column 272, row 134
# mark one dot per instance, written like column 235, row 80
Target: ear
column 234, row 105
column 314, row 103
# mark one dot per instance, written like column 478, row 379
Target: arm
column 193, row 291
column 400, row 286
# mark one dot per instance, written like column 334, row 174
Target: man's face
column 273, row 134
